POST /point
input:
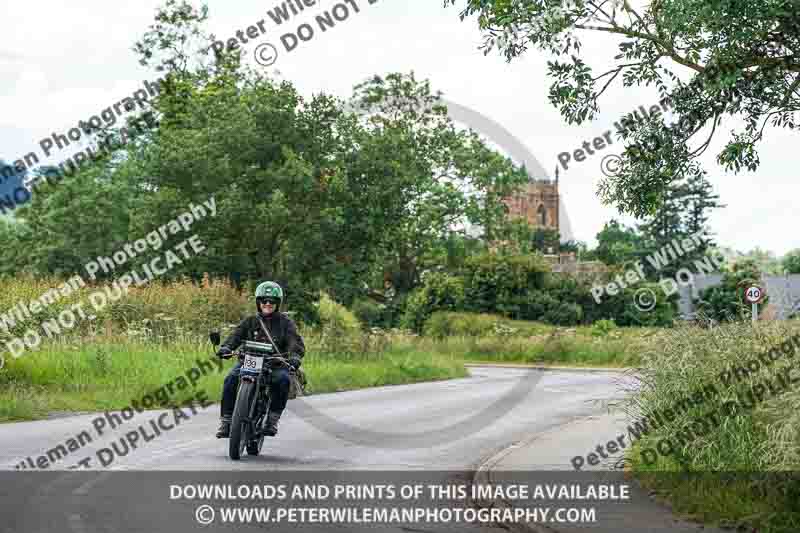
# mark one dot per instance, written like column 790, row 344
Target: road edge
column 590, row 369
column 483, row 476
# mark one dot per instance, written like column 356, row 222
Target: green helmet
column 269, row 289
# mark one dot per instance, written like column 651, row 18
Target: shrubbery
column 337, row 317
column 370, row 313
column 725, row 302
column 440, row 292
column 601, row 328
column 380, row 315
column 623, row 308
column 564, row 314
column 521, row 287
column 501, row 283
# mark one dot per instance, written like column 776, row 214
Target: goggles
column 267, row 300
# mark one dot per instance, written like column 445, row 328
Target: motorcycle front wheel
column 239, row 428
column 254, row 446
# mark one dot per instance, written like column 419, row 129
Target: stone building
column 538, row 203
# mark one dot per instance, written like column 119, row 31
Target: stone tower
column 537, row 203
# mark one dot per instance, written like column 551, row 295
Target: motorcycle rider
column 283, row 330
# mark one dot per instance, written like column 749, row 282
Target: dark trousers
column 278, row 390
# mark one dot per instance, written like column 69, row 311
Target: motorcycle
column 252, row 396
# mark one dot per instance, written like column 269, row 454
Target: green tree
column 697, row 199
column 725, row 302
column 439, row 291
column 72, row 219
column 617, row 244
column 578, row 247
column 684, row 211
column 791, row 262
column 767, row 261
column 12, row 253
column 546, row 240
column 307, row 192
column 518, row 235
column 503, row 282
column 310, row 192
column 741, row 57
column 450, row 178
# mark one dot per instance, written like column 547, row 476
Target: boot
column 224, row 430
column 271, row 429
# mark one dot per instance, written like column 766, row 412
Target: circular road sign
column 754, row 294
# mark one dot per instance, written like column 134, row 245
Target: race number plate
column 252, row 363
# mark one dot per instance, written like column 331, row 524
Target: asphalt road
column 449, row 426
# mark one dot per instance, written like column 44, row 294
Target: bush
column 655, row 309
column 336, row 317
column 446, row 324
column 537, row 304
column 649, row 313
column 440, row 291
column 501, row 283
column 601, row 328
column 791, row 262
column 194, row 308
column 725, row 302
column 340, row 330
column 564, row 314
column 370, row 313
column 395, row 310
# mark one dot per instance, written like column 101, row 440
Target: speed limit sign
column 754, row 294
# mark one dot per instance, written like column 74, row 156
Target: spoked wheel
column 254, row 446
column 239, row 428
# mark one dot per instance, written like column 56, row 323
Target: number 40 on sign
column 754, row 295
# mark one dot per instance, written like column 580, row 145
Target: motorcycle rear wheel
column 239, row 428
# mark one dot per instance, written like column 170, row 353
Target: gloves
column 223, row 352
column 295, row 361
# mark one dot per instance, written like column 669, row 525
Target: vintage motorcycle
column 252, row 397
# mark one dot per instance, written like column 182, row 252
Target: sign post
column 754, row 294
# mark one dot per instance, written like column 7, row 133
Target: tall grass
column 95, row 375
column 689, row 358
column 492, row 338
column 164, row 310
column 107, row 373
column 758, row 442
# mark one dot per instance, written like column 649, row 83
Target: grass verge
column 561, row 347
column 741, row 501
column 492, row 338
column 96, row 376
column 731, row 457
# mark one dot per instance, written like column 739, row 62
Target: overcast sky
column 63, row 62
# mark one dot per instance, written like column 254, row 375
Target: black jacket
column 280, row 326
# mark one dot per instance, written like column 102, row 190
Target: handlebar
column 267, row 360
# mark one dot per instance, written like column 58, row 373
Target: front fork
column 252, row 413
